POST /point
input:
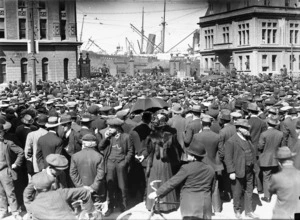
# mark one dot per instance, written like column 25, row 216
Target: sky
column 107, row 22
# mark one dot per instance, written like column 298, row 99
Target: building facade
column 55, row 36
column 254, row 36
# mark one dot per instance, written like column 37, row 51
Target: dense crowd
column 212, row 140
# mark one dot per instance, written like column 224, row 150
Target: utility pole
column 82, row 28
column 163, row 29
column 142, row 40
column 32, row 43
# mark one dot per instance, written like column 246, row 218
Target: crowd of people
column 214, row 140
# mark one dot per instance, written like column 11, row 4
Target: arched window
column 66, row 69
column 45, row 69
column 24, row 74
column 2, row 70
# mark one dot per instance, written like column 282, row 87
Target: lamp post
column 32, row 43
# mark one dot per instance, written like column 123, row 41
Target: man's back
column 286, row 185
column 257, row 127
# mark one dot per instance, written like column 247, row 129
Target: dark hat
column 42, row 182
column 89, row 137
column 27, row 119
column 242, row 123
column 115, row 122
column 72, row 114
column 225, row 114
column 273, row 120
column 196, row 108
column 196, row 149
column 105, row 109
column 253, row 107
column 86, row 118
column 285, row 153
column 57, row 161
column 42, row 119
column 292, row 111
column 93, row 109
column 64, row 119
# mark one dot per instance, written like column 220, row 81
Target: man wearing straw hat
column 286, row 185
column 50, row 143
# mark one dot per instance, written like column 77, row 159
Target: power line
column 137, row 12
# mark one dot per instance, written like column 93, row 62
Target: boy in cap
column 44, row 202
column 118, row 152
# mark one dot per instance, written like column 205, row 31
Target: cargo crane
column 93, row 43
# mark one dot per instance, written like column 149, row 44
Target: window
column 274, row 58
column 287, row 3
column 294, row 33
column 24, row 70
column 228, row 6
column 66, row 69
column 1, row 3
column 42, row 5
column 225, row 34
column 44, row 69
column 212, row 61
column 269, row 32
column 22, row 28
column 266, row 2
column 243, row 30
column 292, row 60
column 247, row 63
column 2, row 70
column 43, row 28
column 63, row 29
column 209, row 38
column 206, row 63
column 241, row 62
column 21, row 4
column 2, row 28
column 264, row 63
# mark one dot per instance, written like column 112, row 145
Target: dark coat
column 210, row 141
column 50, row 143
column 125, row 143
column 235, row 158
column 225, row 133
column 286, row 185
column 98, row 123
column 192, row 128
column 215, row 127
column 89, row 172
column 269, row 142
column 257, row 127
column 22, row 131
column 289, row 131
column 195, row 196
column 143, row 131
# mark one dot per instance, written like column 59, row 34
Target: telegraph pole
column 163, row 29
column 32, row 44
column 142, row 40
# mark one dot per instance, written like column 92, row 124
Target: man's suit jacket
column 50, row 143
column 98, row 123
column 125, row 143
column 87, row 172
column 289, row 131
column 215, row 127
column 178, row 122
column 195, row 195
column 296, row 149
column 269, row 142
column 192, row 128
column 286, row 185
column 225, row 133
column 257, row 127
column 235, row 157
column 143, row 131
column 210, row 141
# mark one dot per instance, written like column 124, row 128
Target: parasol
column 148, row 104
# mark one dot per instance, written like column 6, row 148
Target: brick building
column 55, row 32
column 254, row 36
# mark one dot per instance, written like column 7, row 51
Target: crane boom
column 93, row 42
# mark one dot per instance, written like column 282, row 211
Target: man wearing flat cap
column 240, row 159
column 286, row 185
column 88, row 173
column 44, row 202
column 118, row 152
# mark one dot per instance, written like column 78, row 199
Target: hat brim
column 195, row 153
column 286, row 157
column 60, row 167
column 47, row 125
column 30, row 122
column 177, row 112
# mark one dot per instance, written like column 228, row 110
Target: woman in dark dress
column 159, row 144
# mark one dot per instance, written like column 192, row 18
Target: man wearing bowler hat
column 240, row 159
column 289, row 128
column 286, row 185
column 118, row 152
column 269, row 142
column 194, row 126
